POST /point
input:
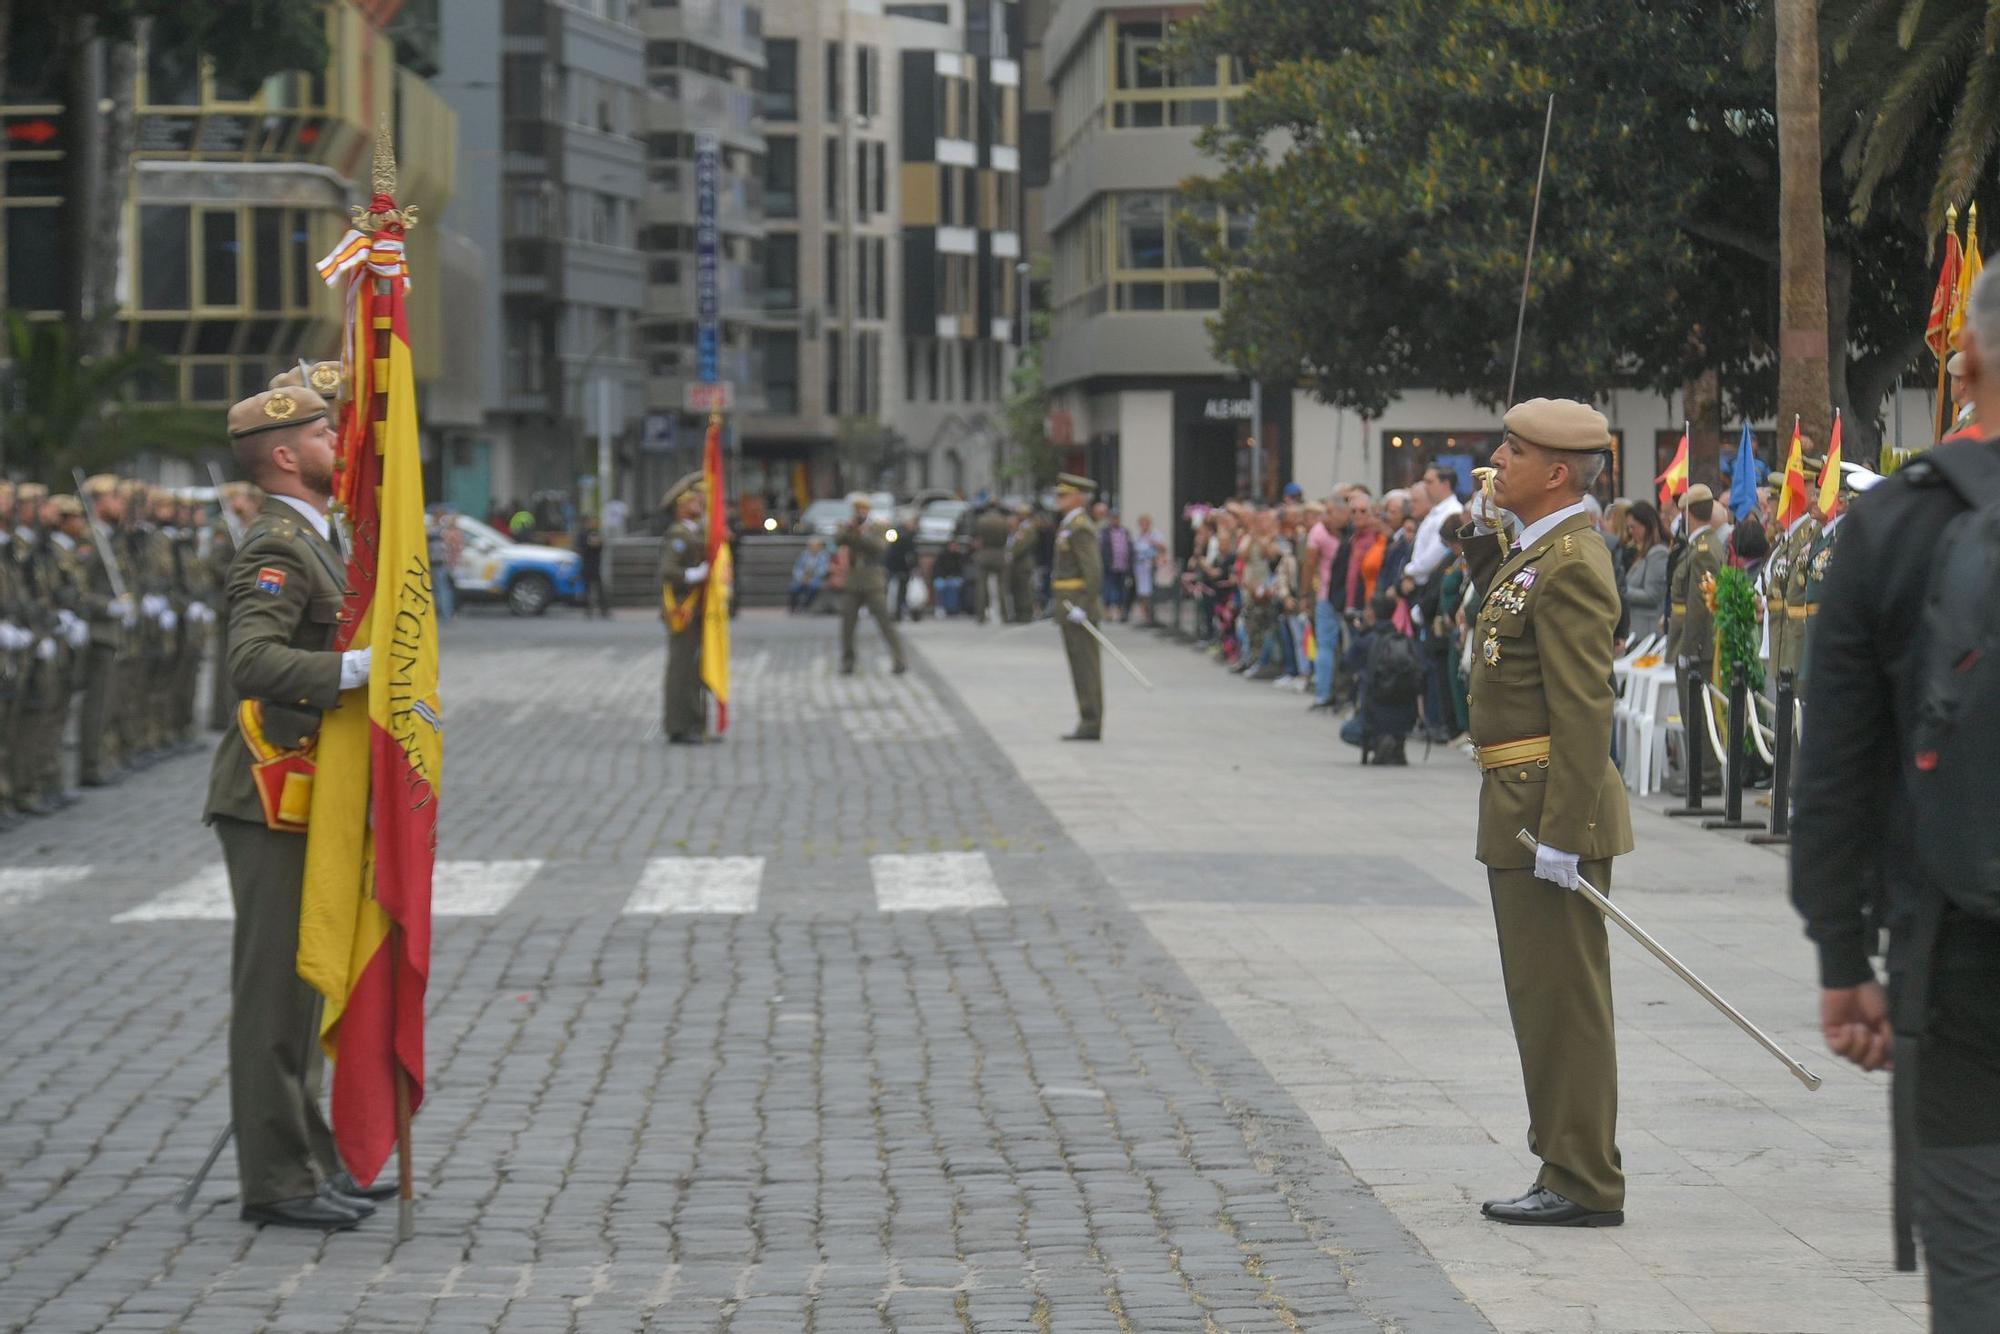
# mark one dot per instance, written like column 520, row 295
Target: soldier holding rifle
column 1541, row 703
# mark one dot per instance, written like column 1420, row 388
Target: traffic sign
column 706, row 397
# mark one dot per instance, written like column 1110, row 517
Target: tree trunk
column 1802, row 343
column 110, row 189
column 75, row 56
column 1701, row 405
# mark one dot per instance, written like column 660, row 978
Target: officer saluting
column 683, row 575
column 284, row 595
column 1077, row 578
column 1541, row 702
column 867, row 544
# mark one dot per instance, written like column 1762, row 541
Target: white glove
column 698, row 574
column 354, row 665
column 169, row 619
column 1558, row 868
column 13, row 638
column 119, row 608
column 65, row 618
column 1077, row 616
column 199, row 614
column 46, row 650
column 1486, row 517
column 79, row 634
column 152, row 605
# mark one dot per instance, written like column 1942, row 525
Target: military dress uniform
column 14, row 656
column 1540, row 699
column 1021, row 569
column 284, row 595
column 1077, row 578
column 100, row 754
column 990, row 536
column 684, row 714
column 1691, row 628
column 867, row 544
column 36, row 716
column 1788, row 641
column 221, row 553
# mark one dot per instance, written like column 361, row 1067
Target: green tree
column 1387, row 150
column 62, row 409
column 1029, row 459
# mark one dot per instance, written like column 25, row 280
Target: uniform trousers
column 684, row 713
column 990, row 585
column 1556, row 962
column 1086, row 674
column 852, row 600
column 283, row 1145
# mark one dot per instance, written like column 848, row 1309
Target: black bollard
column 1692, row 727
column 1781, row 773
column 1734, row 767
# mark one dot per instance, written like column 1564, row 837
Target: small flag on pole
column 1792, row 503
column 1674, row 481
column 1743, row 476
column 716, row 592
column 1829, row 476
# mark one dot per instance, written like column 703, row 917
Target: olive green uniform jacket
column 683, row 714
column 1542, row 668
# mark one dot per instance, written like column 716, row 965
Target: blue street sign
column 708, row 303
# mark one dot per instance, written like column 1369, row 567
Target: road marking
column 202, row 897
column 22, row 885
column 458, row 889
column 934, row 882
column 698, row 885
column 478, row 888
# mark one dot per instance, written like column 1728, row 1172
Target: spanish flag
column 1939, row 328
column 1970, row 266
column 1829, row 476
column 365, row 921
column 1674, row 481
column 716, row 592
column 1792, row 501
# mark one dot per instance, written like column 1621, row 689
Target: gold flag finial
column 385, row 159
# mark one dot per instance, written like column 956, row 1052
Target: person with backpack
column 1389, row 676
column 1895, row 831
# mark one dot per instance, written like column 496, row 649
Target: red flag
column 1792, row 503
column 1937, row 329
column 1674, row 481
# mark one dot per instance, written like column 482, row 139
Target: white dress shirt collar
column 1545, row 525
column 319, row 521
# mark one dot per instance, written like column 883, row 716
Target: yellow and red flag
column 1792, row 502
column 1970, row 266
column 1674, row 481
column 1829, row 476
column 1938, row 329
column 716, row 592
column 365, row 919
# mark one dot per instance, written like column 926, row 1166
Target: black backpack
column 1395, row 675
column 1953, row 781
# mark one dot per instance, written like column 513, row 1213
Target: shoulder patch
column 270, row 580
column 680, row 545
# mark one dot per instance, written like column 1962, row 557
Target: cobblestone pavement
column 827, row 1028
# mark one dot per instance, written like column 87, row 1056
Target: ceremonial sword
column 1109, row 647
column 1682, row 971
column 97, row 531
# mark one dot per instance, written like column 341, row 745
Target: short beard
column 316, row 479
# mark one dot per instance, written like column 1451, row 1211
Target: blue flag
column 1745, row 474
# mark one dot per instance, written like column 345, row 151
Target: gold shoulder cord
column 1485, row 478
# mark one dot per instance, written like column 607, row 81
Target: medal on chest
column 1490, row 650
column 1820, row 563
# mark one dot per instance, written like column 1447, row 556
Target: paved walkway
column 832, row 1027
column 1336, row 918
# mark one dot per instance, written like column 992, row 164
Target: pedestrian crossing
column 661, row 887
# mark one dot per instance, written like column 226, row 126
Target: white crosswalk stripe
column 458, row 889
column 22, row 885
column 478, row 888
column 202, row 897
column 698, row 885
column 934, row 882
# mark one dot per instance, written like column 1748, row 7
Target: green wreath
column 1736, row 629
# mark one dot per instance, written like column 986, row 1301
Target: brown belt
column 1796, row 613
column 1505, row 754
column 1065, row 584
column 1679, row 608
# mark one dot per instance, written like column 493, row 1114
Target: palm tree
column 1907, row 67
column 63, row 411
column 1803, row 384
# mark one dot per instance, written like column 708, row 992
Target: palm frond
column 1906, row 26
column 1910, row 101
column 1969, row 145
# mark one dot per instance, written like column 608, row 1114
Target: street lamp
column 1021, row 272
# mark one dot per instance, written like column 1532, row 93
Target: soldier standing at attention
column 990, row 534
column 1691, row 622
column 285, row 593
column 112, row 620
column 867, row 546
column 1540, row 698
column 1076, row 590
column 37, row 721
column 1021, row 567
column 683, row 574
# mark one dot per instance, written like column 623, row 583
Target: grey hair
column 1588, row 469
column 1984, row 312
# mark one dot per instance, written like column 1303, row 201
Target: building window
column 833, row 377
column 835, row 294
column 267, row 233
column 1142, row 231
column 832, row 168
column 163, row 257
column 931, row 375
column 781, row 271
column 526, row 353
column 910, row 370
column 781, row 371
column 881, row 153
column 173, row 76
column 833, row 64
column 781, row 79
column 34, row 279
column 302, row 270
column 861, row 181
column 781, row 178
column 881, row 247
column 867, row 81
column 966, row 354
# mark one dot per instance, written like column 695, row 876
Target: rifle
column 101, row 538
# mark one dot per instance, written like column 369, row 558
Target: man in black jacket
column 1853, row 873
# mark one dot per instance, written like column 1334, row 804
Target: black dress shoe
column 1490, row 1205
column 343, row 1183
column 1542, row 1207
column 1081, row 735
column 319, row 1213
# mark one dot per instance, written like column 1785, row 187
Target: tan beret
column 31, row 493
column 1956, row 365
column 689, row 482
column 1697, row 493
column 1071, row 481
column 6, row 488
column 68, row 507
column 103, row 484
column 328, row 379
column 1560, row 423
column 275, row 409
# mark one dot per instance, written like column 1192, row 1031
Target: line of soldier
column 106, row 615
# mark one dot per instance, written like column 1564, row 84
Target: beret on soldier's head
column 328, row 379
column 1561, row 424
column 1070, row 481
column 1956, row 364
column 68, row 507
column 103, row 484
column 688, row 482
column 31, row 492
column 1697, row 493
column 860, row 498
column 274, row 409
